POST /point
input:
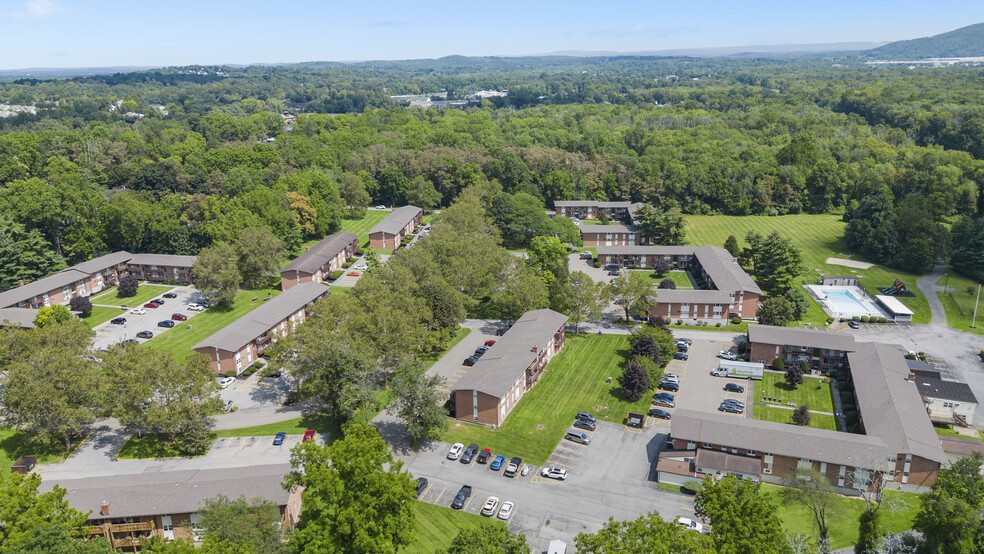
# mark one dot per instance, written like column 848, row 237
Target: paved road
column 928, row 287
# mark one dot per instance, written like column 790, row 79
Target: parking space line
column 427, row 490
column 465, row 507
column 511, row 516
column 565, row 457
column 436, row 500
column 576, row 451
column 555, row 462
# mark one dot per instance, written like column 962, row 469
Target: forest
column 177, row 159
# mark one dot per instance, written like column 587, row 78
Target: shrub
column 778, row 364
column 346, row 265
column 856, row 318
column 864, row 319
column 922, row 356
column 882, row 320
column 718, row 324
column 667, row 284
column 597, row 264
column 335, row 274
column 690, row 487
column 632, row 266
column 854, row 428
column 679, row 322
column 352, row 259
column 801, row 415
column 830, row 320
column 230, row 373
column 128, row 287
column 910, row 356
column 736, row 321
column 81, row 304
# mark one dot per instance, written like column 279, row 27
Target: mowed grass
column 774, row 384
column 781, row 415
column 574, row 381
column 145, row 292
column 681, row 278
column 959, row 303
column 437, row 526
column 152, row 446
column 180, row 339
column 14, row 444
column 319, row 422
column 842, row 516
column 362, row 226
column 818, row 236
column 102, row 314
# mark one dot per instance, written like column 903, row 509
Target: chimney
column 536, row 348
column 104, row 509
column 20, row 282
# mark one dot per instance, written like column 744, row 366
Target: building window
column 750, row 452
column 708, row 445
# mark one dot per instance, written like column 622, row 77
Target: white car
column 505, row 512
column 455, row 451
column 727, row 355
column 380, row 207
column 670, row 379
column 360, row 267
column 226, row 381
column 138, row 311
column 490, row 506
column 196, row 307
column 558, row 473
column 690, row 524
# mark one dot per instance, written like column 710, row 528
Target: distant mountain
column 961, row 43
column 772, row 49
column 55, row 72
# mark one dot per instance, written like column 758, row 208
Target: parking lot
column 109, row 334
column 257, row 392
column 701, row 391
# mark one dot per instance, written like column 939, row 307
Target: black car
column 853, row 324
column 484, row 455
column 165, row 323
column 118, row 321
column 460, row 498
column 680, row 356
column 469, row 453
column 662, row 414
column 169, row 295
column 499, row 332
column 585, row 424
column 733, row 402
column 735, row 409
column 669, row 385
column 157, row 301
column 470, row 361
column 732, row 387
column 421, row 487
column 614, row 272
column 513, row 467
column 145, row 335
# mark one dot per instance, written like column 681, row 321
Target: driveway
column 108, row 334
column 257, row 392
column 701, row 391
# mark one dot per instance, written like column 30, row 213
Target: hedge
column 230, row 373
column 335, row 274
column 346, row 265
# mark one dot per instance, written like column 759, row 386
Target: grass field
column 318, row 422
column 100, row 315
column 773, row 384
column 180, row 339
column 818, row 237
column 780, row 415
column 437, row 526
column 362, row 226
column 842, row 516
column 144, row 293
column 149, row 446
column 959, row 303
column 947, row 431
column 681, row 278
column 14, row 444
column 574, row 380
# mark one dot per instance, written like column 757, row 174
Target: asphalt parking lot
column 701, row 391
column 109, row 334
column 257, row 392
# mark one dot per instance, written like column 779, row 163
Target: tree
column 742, row 519
column 356, row 496
column 127, row 287
column 634, row 381
column 633, row 295
column 667, row 284
column 547, row 254
column 649, row 534
column 644, row 345
column 778, row 364
column 666, row 227
column 55, row 538
column 794, row 376
column 217, row 274
column 661, row 268
column 665, row 345
column 419, row 403
column 24, row 255
column 774, row 261
column 731, row 245
column 870, row 536
column 26, row 512
column 81, row 304
column 371, row 258
column 798, row 302
column 585, row 298
column 52, row 315
column 774, row 310
column 258, row 255
column 949, row 516
column 250, row 524
column 488, row 538
column 810, row 489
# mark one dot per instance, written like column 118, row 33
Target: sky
column 104, row 33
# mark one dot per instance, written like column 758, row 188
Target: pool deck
column 860, row 304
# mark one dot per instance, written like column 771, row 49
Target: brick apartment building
column 492, row 387
column 390, row 232
column 899, row 443
column 727, row 290
column 130, row 509
column 240, row 343
column 611, row 235
column 588, row 209
column 161, row 268
column 820, row 350
column 318, row 261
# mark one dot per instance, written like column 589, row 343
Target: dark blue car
column 497, row 463
column 279, row 438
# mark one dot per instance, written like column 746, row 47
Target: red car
column 179, row 317
column 490, row 342
column 484, row 456
column 308, row 435
column 151, row 305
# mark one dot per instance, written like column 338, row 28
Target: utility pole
column 974, row 322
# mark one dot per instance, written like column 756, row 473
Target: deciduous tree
column 81, row 304
column 649, row 534
column 743, row 520
column 28, row 514
column 488, row 538
column 419, row 403
column 52, row 315
column 662, row 227
column 774, row 310
column 217, row 274
column 949, row 516
column 127, row 287
column 667, row 284
column 586, row 298
column 634, row 381
column 250, row 524
column 810, row 489
column 634, row 296
column 258, row 255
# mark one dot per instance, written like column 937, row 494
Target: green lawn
column 14, row 444
column 780, row 415
column 150, row 446
column 818, row 237
column 180, row 339
column 145, row 292
column 362, row 226
column 100, row 315
column 681, row 278
column 947, row 431
column 574, row 380
column 959, row 303
column 437, row 526
column 319, row 422
column 842, row 516
column 773, row 384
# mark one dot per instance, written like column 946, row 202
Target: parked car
column 455, row 451
column 853, row 324
column 421, row 486
column 354, row 274
column 585, row 424
column 279, row 438
column 151, row 305
column 579, row 437
column 725, row 407
column 664, row 395
column 727, row 355
column 226, row 381
column 661, row 414
column 484, row 455
column 674, row 387
column 308, row 435
column 196, row 307
column 168, row 323
column 459, row 499
column 586, row 255
column 734, row 387
column 501, row 331
column 497, row 463
column 179, row 317
column 228, row 405
column 138, row 311
column 169, row 295
column 557, row 473
column 690, row 524
column 680, row 356
column 145, row 335
column 491, row 506
column 481, row 350
column 490, row 342
column 380, row 207
column 505, row 512
column 733, row 402
column 118, row 321
column 470, row 361
column 664, row 402
column 158, row 301
column 587, row 416
column 360, row 267
column 681, row 347
column 671, row 378
column 613, row 273
column 513, row 468
column 469, row 453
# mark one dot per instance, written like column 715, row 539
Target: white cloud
column 38, row 9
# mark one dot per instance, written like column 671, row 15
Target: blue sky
column 98, row 33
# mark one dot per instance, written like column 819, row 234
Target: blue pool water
column 843, row 301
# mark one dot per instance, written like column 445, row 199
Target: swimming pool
column 844, row 301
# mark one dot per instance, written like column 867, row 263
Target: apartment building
column 610, row 235
column 589, row 209
column 819, row 350
column 390, row 232
column 318, row 261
